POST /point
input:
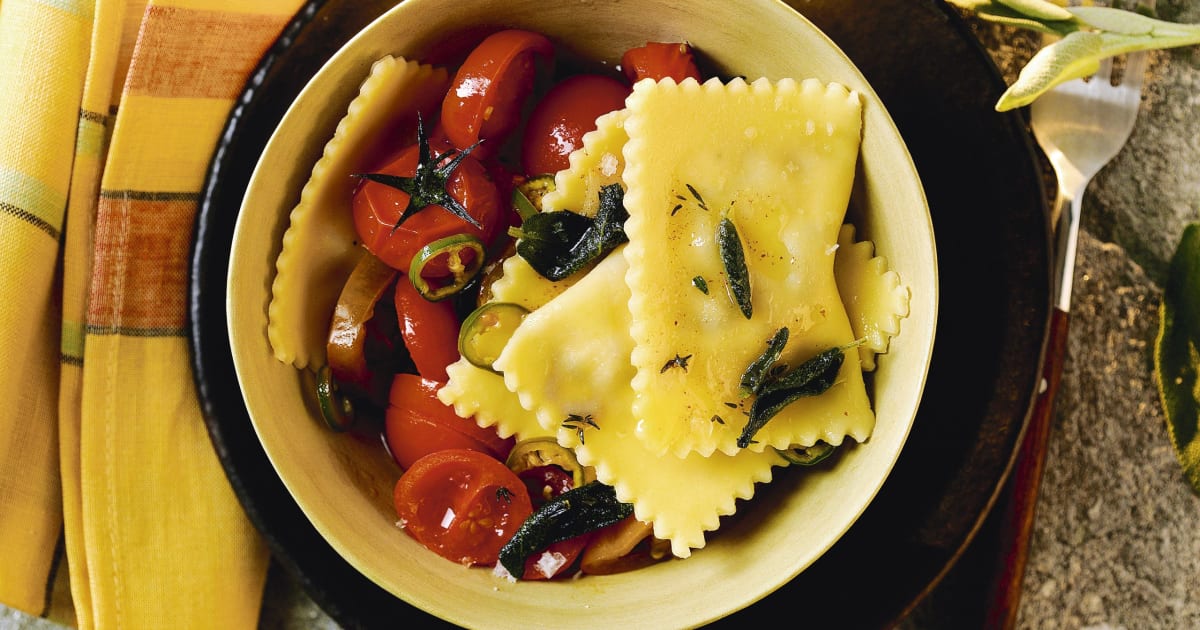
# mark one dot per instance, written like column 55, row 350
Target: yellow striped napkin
column 109, row 113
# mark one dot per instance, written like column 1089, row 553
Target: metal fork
column 1081, row 125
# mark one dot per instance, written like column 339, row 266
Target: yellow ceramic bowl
column 344, row 485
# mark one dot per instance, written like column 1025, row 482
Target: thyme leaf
column 557, row 244
column 737, row 279
column 677, row 362
column 700, row 283
column 578, row 423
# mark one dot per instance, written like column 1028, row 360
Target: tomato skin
column 485, row 99
column 417, row 423
column 563, row 116
column 659, row 60
column 543, row 484
column 429, row 330
column 377, row 207
column 461, row 504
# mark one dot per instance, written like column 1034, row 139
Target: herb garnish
column 578, row 423
column 737, row 279
column 504, row 494
column 760, row 369
column 557, row 244
column 717, row 419
column 699, row 199
column 700, row 283
column 811, row 378
column 678, row 361
column 577, row 511
column 427, row 186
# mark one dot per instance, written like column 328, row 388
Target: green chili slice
column 463, row 255
column 336, row 409
column 527, row 196
column 807, row 455
column 486, row 331
column 737, row 279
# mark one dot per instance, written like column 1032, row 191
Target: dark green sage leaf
column 737, row 277
column 1177, row 353
column 557, row 244
column 574, row 512
column 811, row 378
column 756, row 375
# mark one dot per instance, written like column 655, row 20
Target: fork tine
column 1135, row 70
column 1105, row 72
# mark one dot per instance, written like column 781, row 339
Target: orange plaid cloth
column 109, row 113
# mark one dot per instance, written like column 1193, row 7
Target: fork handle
column 1020, row 498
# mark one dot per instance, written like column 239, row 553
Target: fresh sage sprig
column 1177, row 353
column 1087, row 36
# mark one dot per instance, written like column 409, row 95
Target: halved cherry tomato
column 545, row 483
column 485, row 99
column 429, row 330
column 659, row 60
column 417, row 423
column 461, row 504
column 378, row 207
column 560, row 119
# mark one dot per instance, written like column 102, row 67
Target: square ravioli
column 777, row 160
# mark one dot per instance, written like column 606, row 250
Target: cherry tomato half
column 560, row 119
column 429, row 330
column 377, row 207
column 543, row 484
column 659, row 60
column 485, row 99
column 417, row 423
column 461, row 504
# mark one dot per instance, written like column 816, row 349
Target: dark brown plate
column 986, row 197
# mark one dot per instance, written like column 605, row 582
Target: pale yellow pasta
column 479, row 393
column 778, row 160
column 318, row 247
column 563, row 364
column 875, row 299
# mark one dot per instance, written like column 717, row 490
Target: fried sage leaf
column 557, row 244
column 810, row 378
column 1177, row 353
column 756, row 375
column 574, row 512
column 737, row 276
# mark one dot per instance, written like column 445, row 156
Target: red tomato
column 417, row 423
column 429, row 330
column 543, row 484
column 658, row 60
column 560, row 119
column 461, row 504
column 484, row 102
column 377, row 208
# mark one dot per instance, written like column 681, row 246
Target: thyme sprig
column 578, row 423
column 677, row 362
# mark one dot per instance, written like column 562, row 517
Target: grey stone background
column 1117, row 537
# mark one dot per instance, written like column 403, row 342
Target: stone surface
column 1117, row 537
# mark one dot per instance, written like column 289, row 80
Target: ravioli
column 778, row 160
column 568, row 368
column 874, row 297
column 318, row 247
